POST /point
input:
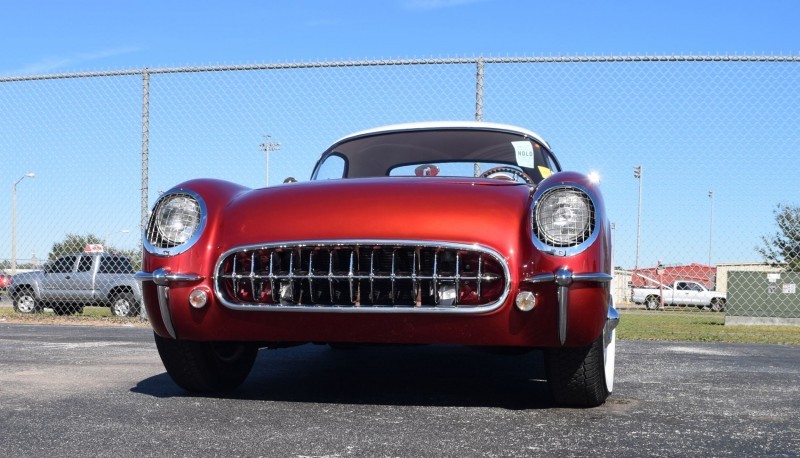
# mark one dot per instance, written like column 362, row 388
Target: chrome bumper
column 162, row 278
column 563, row 278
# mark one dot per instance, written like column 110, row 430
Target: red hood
column 489, row 212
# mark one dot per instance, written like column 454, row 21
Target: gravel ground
column 102, row 391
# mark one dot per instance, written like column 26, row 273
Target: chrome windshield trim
column 372, row 309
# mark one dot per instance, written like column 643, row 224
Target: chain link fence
column 697, row 157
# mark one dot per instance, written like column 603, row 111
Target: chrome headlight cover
column 564, row 219
column 176, row 222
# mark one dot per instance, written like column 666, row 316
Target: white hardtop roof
column 433, row 125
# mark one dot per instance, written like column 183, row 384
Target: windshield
column 441, row 152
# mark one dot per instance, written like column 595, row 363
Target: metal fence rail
column 714, row 138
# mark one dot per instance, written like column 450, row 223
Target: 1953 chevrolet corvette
column 429, row 233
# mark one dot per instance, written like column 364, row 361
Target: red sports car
column 5, row 281
column 439, row 233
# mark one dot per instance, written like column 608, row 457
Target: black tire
column 24, row 301
column 576, row 375
column 124, row 304
column 652, row 303
column 717, row 305
column 206, row 367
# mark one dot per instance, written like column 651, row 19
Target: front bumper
column 564, row 278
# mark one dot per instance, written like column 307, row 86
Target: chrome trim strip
column 571, row 250
column 163, row 305
column 163, row 277
column 564, row 278
column 352, row 277
column 166, row 252
column 612, row 321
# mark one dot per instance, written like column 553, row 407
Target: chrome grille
column 362, row 276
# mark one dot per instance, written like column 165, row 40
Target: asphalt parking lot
column 70, row 391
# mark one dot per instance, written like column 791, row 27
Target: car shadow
column 386, row 375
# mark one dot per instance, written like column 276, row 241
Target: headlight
column 177, row 217
column 563, row 217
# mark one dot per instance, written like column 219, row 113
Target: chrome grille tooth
column 291, row 275
column 416, row 292
column 252, row 276
column 330, row 275
column 310, row 275
column 434, row 278
column 457, row 280
column 480, row 266
column 350, row 278
column 235, row 277
column 394, row 253
column 372, row 276
column 272, row 278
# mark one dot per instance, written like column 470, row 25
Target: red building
column 701, row 273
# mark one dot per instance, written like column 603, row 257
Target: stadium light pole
column 637, row 173
column 268, row 147
column 14, row 221
column 710, row 226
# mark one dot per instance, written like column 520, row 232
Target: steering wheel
column 507, row 173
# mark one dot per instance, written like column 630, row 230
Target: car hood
column 447, row 209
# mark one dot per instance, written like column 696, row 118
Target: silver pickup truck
column 689, row 293
column 73, row 281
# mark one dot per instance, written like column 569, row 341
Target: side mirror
column 290, row 180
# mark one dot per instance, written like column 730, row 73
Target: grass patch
column 91, row 316
column 699, row 327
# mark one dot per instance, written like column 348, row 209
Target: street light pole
column 710, row 226
column 637, row 173
column 108, row 235
column 268, row 147
column 14, row 222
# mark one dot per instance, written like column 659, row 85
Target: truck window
column 115, row 265
column 695, row 287
column 682, row 286
column 85, row 264
column 63, row 265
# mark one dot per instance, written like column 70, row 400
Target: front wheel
column 206, row 367
column 582, row 376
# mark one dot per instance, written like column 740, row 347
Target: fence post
column 145, row 146
column 479, row 90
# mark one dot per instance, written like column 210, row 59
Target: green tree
column 75, row 243
column 784, row 245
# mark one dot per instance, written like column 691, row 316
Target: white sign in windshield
column 524, row 152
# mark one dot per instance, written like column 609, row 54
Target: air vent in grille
column 364, row 276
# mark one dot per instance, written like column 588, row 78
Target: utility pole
column 268, row 147
column 14, row 222
column 710, row 226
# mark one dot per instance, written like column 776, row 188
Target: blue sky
column 58, row 35
column 66, row 36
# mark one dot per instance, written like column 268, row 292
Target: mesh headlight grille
column 174, row 221
column 564, row 216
